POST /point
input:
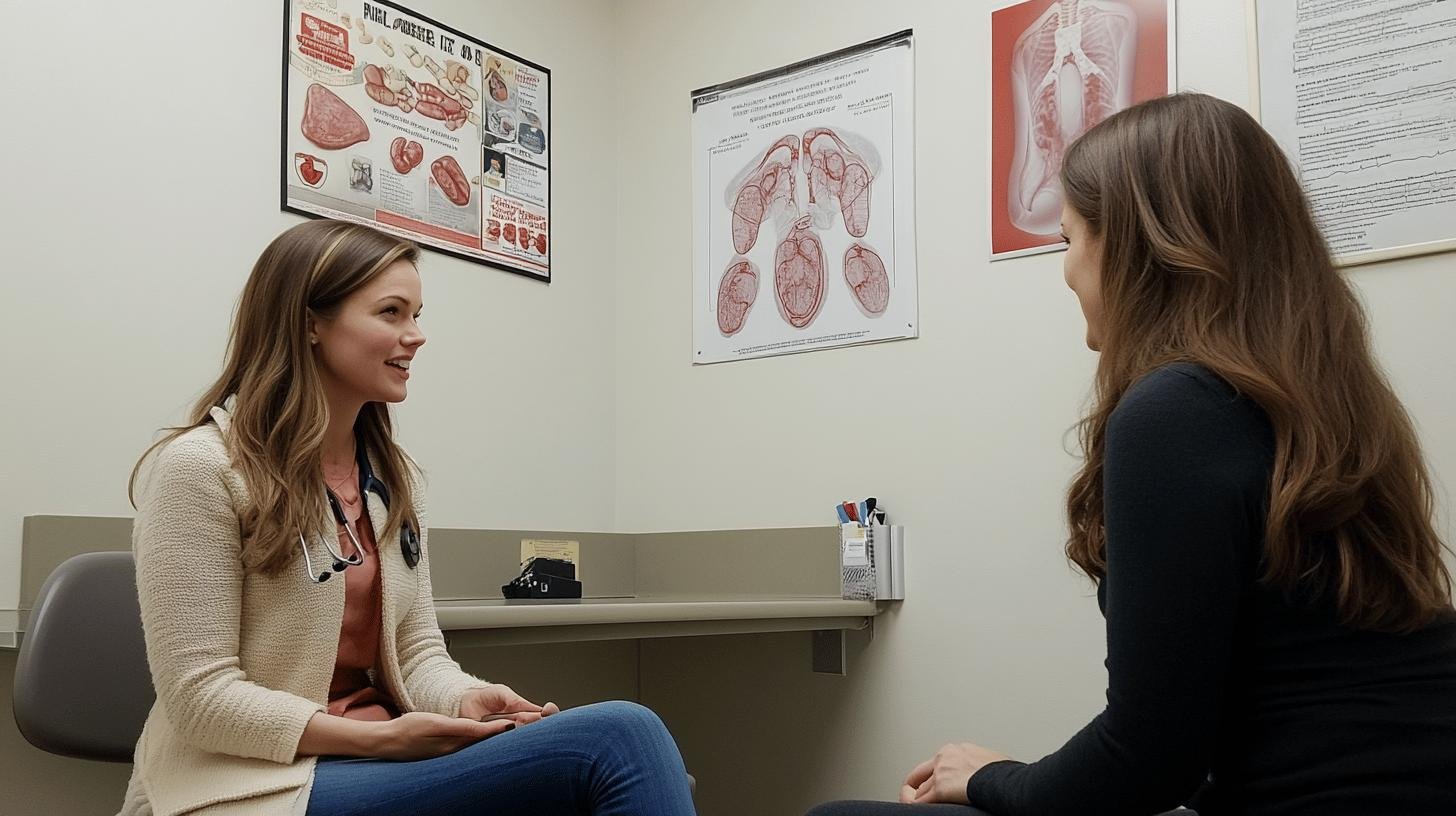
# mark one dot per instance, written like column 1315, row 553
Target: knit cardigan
column 240, row 660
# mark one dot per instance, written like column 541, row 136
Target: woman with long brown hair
column 283, row 570
column 1253, row 507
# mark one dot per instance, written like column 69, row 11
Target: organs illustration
column 523, row 237
column 841, row 168
column 405, row 155
column 311, row 169
column 737, row 290
column 1070, row 69
column 497, row 87
column 799, row 275
column 765, row 188
column 329, row 122
column 374, row 85
column 839, row 172
column 864, row 273
column 436, row 104
column 492, row 230
column 447, row 173
column 541, row 242
column 509, row 233
column 392, row 88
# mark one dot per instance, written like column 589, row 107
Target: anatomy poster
column 804, row 206
column 1058, row 67
column 1361, row 94
column 403, row 123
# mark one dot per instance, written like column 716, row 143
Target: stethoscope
column 409, row 540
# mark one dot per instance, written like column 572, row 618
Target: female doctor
column 283, row 571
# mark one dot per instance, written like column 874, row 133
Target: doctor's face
column 364, row 351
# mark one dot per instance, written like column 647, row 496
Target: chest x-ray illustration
column 1071, row 68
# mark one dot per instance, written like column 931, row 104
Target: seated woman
column 283, row 568
column 1253, row 507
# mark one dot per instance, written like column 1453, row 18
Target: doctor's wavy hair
column 278, row 421
column 1210, row 255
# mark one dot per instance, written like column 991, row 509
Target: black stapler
column 544, row 578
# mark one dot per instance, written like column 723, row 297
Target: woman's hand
column 943, row 777
column 498, row 699
column 421, row 735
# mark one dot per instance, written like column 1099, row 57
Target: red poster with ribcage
column 1058, row 68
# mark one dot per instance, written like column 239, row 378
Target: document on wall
column 403, row 123
column 1361, row 94
column 804, row 205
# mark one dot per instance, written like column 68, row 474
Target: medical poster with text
column 408, row 125
column 804, row 206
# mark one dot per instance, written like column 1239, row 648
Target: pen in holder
column 872, row 562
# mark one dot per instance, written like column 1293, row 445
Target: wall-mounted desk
column 508, row 623
column 647, row 585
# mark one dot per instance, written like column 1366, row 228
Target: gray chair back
column 82, row 687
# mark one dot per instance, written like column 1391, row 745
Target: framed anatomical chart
column 398, row 121
column 1361, row 94
column 1058, row 67
column 804, row 205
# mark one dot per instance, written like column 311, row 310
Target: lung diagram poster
column 804, row 205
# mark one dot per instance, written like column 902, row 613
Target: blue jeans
column 612, row 759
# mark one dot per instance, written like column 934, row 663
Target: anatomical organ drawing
column 329, row 122
column 389, row 86
column 405, row 154
column 737, row 290
column 840, row 169
column 765, row 188
column 1070, row 69
column 864, row 273
column 799, row 275
column 838, row 172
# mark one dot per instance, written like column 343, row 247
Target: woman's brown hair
column 280, row 413
column 1210, row 255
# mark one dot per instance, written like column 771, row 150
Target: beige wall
column 999, row 642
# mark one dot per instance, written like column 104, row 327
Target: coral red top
column 352, row 692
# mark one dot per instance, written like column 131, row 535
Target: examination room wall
column 141, row 184
column 963, row 432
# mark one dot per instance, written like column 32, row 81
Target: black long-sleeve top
column 1223, row 693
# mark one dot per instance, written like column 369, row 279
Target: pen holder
column 871, row 562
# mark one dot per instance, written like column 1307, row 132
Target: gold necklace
column 338, row 488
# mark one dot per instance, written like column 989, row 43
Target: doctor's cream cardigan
column 242, row 661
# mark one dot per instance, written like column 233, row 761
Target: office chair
column 85, row 630
column 82, row 687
